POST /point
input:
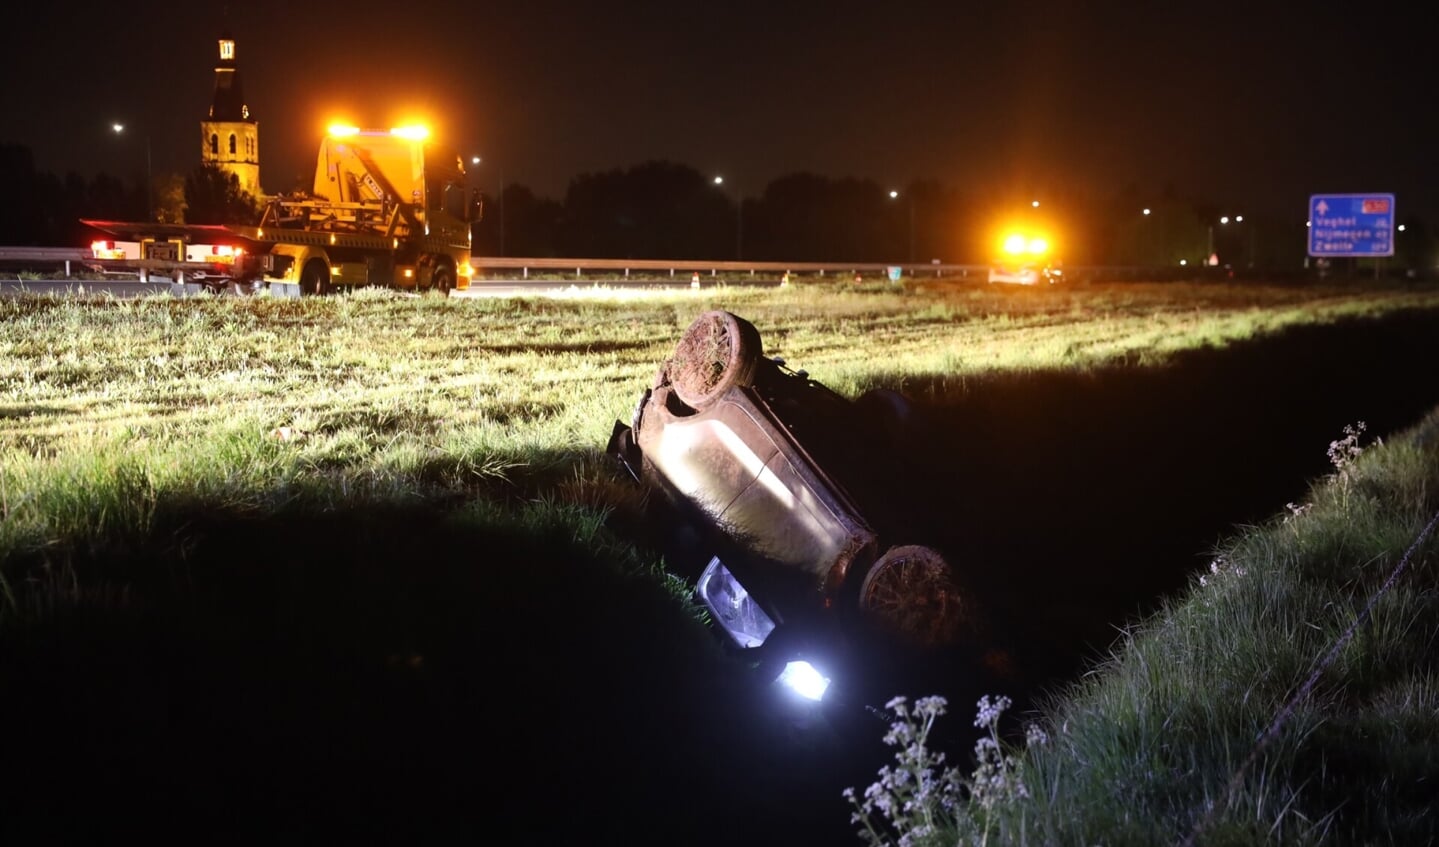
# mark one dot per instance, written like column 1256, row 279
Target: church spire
column 229, row 100
column 230, row 135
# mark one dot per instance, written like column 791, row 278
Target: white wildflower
column 1344, row 451
column 989, row 711
column 1034, row 735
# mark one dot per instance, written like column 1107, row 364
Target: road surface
column 488, row 288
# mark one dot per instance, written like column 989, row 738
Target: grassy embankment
column 1288, row 696
column 389, row 485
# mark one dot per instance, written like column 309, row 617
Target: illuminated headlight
column 801, row 678
column 734, row 610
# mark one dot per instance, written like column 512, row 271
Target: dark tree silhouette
column 213, row 196
column 656, row 210
column 519, row 224
column 664, row 210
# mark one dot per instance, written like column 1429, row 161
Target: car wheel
column 910, row 594
column 718, row 352
column 888, row 412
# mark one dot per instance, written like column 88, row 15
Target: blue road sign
column 1351, row 225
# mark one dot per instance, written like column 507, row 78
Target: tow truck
column 386, row 209
column 1026, row 258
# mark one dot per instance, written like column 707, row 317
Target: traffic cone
column 695, row 280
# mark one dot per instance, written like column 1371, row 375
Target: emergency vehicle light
column 1017, row 244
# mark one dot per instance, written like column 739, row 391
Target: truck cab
column 1025, row 257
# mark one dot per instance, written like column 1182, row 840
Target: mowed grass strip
column 254, row 403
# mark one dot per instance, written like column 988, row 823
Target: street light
column 1146, row 240
column 478, row 160
column 738, row 221
column 1239, row 219
column 1224, row 221
column 894, row 195
column 119, row 129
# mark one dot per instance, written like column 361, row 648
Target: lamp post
column 1223, row 221
column 1253, row 241
column 909, row 198
column 476, row 160
column 738, row 222
column 1146, row 241
column 119, row 129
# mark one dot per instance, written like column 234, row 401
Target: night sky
column 1250, row 106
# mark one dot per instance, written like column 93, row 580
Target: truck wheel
column 718, row 352
column 442, row 280
column 910, row 594
column 314, row 279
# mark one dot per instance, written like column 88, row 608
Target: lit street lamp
column 119, row 129
column 1146, row 241
column 1239, row 219
column 477, row 161
column 894, row 195
column 738, row 222
column 1223, row 221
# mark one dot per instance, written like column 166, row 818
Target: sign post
column 1358, row 225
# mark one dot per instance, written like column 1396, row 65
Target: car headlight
column 734, row 610
column 802, row 678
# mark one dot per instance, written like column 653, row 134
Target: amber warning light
column 1019, row 244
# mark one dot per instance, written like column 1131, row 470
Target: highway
column 566, row 276
column 80, row 288
column 488, row 288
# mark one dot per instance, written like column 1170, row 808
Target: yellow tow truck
column 386, row 209
column 1026, row 258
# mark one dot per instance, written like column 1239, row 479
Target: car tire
column 889, row 414
column 718, row 351
column 910, row 595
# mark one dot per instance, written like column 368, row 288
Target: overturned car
column 785, row 484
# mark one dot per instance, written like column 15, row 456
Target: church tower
column 230, row 136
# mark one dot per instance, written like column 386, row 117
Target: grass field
column 344, row 563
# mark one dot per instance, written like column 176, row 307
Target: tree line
column 666, row 210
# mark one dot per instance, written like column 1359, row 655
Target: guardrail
column 486, row 265
column 49, row 255
column 679, row 267
column 54, row 254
